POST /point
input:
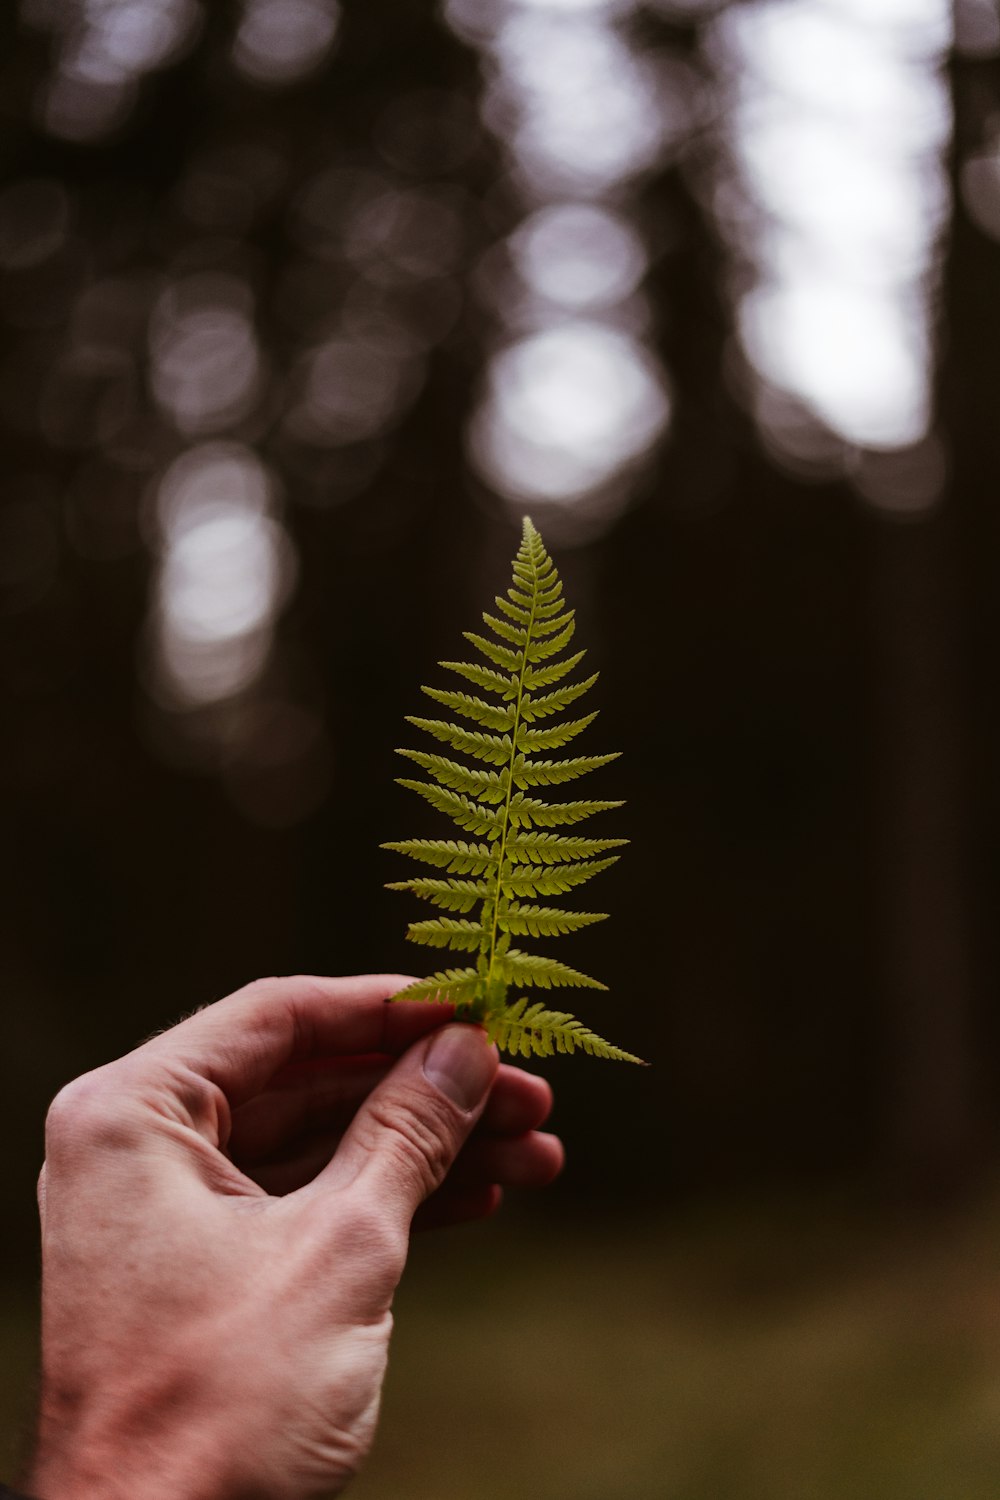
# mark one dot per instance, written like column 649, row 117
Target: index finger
column 239, row 1043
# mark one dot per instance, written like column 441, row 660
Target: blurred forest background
column 302, row 306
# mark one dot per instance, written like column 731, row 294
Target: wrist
column 125, row 1454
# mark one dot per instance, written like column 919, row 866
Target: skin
column 226, row 1214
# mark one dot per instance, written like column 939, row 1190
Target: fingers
column 446, row 1207
column 325, row 1098
column 286, row 1136
column 408, row 1132
column 526, row 1161
column 474, row 1188
column 302, row 1103
column 240, row 1042
column 518, row 1102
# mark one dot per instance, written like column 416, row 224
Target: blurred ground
column 765, row 1351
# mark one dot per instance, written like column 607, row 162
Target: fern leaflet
column 514, row 858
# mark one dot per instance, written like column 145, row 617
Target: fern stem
column 505, row 827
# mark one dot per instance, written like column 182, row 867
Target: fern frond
column 502, row 655
column 520, row 613
column 516, row 634
column 539, row 677
column 484, row 677
column 450, row 895
column 488, row 714
column 541, row 650
column 516, row 967
column 449, row 854
column 471, row 816
column 495, row 749
column 523, row 1030
column 490, row 786
column 495, row 889
column 530, row 811
column 537, row 848
column 553, row 703
column 553, row 738
column 552, row 880
column 454, row 985
column 447, row 932
column 545, row 921
column 553, row 772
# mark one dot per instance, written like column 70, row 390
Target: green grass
column 763, row 1352
column 762, row 1355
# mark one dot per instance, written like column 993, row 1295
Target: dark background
column 802, row 682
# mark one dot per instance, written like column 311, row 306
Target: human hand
column 225, row 1217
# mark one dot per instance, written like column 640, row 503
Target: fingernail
column 461, row 1063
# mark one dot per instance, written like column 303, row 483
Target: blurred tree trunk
column 934, row 582
column 930, row 1124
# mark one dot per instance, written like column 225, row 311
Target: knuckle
column 373, row 1238
column 90, row 1110
column 371, row 1227
column 418, row 1138
column 251, row 994
column 74, row 1104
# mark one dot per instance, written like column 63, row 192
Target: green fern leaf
column 456, row 986
column 501, row 655
column 495, row 749
column 468, row 815
column 448, row 932
column 552, row 738
column 450, row 895
column 539, row 677
column 449, row 854
column 530, row 811
column 544, row 921
column 516, row 967
column 553, row 703
column 540, row 1032
column 474, row 708
column 541, row 650
column 553, row 772
column 489, row 786
column 537, row 848
column 517, row 860
column 484, row 677
column 552, row 880
column 517, row 635
column 516, row 608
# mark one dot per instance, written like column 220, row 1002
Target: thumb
column 405, row 1137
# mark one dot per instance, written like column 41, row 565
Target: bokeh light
column 579, row 255
column 205, row 362
column 351, row 389
column 567, row 410
column 571, row 406
column 34, row 219
column 281, row 41
column 104, row 48
column 578, row 107
column 837, row 132
column 977, row 28
column 226, row 569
